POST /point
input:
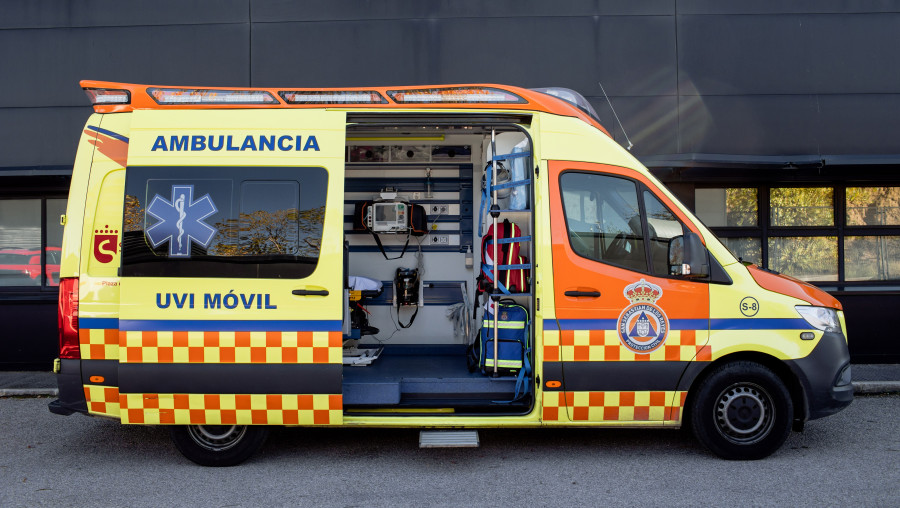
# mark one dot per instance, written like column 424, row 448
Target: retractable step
column 448, row 439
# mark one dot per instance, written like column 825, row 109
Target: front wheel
column 218, row 445
column 742, row 411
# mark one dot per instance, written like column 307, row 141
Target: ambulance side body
column 131, row 356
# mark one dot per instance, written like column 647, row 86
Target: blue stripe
column 588, row 324
column 688, row 324
column 98, row 323
column 759, row 324
column 612, row 324
column 108, row 133
column 230, row 326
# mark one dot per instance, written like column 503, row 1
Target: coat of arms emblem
column 643, row 326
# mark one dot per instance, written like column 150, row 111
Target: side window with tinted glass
column 603, row 219
column 223, row 222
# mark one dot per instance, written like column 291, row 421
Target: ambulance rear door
column 232, row 259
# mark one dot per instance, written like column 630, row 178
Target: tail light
column 67, row 318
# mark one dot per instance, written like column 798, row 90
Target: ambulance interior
column 411, row 315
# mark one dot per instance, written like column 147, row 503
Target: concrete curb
column 29, row 392
column 875, row 387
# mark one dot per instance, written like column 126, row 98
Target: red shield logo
column 106, row 244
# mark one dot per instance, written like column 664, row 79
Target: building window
column 872, row 258
column 793, row 206
column 819, row 234
column 732, row 207
column 30, row 242
column 873, row 206
column 734, row 213
column 805, row 257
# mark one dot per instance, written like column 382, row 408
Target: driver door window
column 662, row 227
column 603, row 219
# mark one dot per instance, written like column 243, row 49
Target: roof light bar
column 455, row 95
column 176, row 96
column 101, row 96
column 332, row 97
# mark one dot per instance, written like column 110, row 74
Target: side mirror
column 688, row 257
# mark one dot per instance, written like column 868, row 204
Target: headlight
column 820, row 318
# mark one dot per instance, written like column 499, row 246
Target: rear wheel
column 218, row 445
column 742, row 410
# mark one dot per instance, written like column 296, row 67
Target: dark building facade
column 777, row 122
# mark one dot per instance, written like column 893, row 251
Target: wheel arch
column 697, row 372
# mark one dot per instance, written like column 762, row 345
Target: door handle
column 591, row 294
column 310, row 292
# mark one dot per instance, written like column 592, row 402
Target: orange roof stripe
column 533, row 101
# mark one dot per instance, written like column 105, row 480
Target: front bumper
column 825, row 377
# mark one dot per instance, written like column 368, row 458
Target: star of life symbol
column 180, row 221
column 643, row 326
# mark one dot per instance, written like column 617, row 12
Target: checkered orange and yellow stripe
column 211, row 347
column 605, row 346
column 215, row 409
column 628, row 406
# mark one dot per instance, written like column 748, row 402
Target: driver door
column 627, row 330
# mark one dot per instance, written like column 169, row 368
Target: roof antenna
column 630, row 144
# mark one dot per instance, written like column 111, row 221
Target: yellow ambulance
column 444, row 258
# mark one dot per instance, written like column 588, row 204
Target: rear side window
column 238, row 222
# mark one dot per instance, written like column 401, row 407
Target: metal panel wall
column 686, row 76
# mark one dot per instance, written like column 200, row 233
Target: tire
column 742, row 411
column 218, row 445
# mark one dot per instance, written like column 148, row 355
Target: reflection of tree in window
column 745, row 248
column 873, row 206
column 134, row 214
column 262, row 232
column 799, row 206
column 806, row 258
column 741, row 207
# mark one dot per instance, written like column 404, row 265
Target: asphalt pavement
column 846, row 460
column 867, row 379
